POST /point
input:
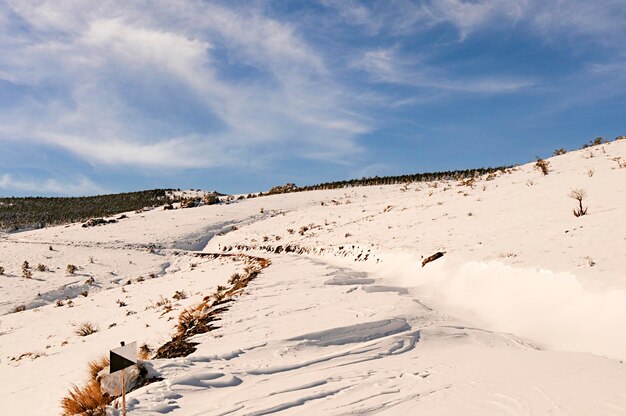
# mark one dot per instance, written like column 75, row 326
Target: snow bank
column 553, row 309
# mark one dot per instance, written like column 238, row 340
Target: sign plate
column 123, row 357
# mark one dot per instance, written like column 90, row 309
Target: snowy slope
column 524, row 314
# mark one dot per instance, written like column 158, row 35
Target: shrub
column 41, row 267
column 179, row 294
column 543, row 166
column 596, row 142
column 71, row 269
column 26, row 272
column 1, row 270
column 86, row 328
column 559, row 152
column 234, row 278
column 20, row 308
column 578, row 195
column 590, row 172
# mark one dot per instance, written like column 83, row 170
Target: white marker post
column 120, row 359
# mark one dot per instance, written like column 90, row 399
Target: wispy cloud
column 162, row 88
column 84, row 186
column 600, row 19
column 272, row 89
column 390, row 66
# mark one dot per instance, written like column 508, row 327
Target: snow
column 524, row 314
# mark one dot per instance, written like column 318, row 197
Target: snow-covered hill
column 524, row 314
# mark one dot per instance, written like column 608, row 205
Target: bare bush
column 590, row 172
column 559, row 152
column 578, row 195
column 71, row 269
column 41, row 267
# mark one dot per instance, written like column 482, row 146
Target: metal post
column 123, row 393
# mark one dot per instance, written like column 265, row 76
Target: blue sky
column 239, row 96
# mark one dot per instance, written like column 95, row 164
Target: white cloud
column 390, row 66
column 84, row 186
column 551, row 20
column 105, row 57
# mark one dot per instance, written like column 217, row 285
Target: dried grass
column 86, row 328
column 88, row 400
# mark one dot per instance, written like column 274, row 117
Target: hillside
column 320, row 302
column 39, row 212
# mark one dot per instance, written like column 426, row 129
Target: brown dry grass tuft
column 145, row 351
column 86, row 328
column 88, row 400
column 97, row 365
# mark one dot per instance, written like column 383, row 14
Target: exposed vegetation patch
column 38, row 212
column 455, row 175
column 202, row 317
